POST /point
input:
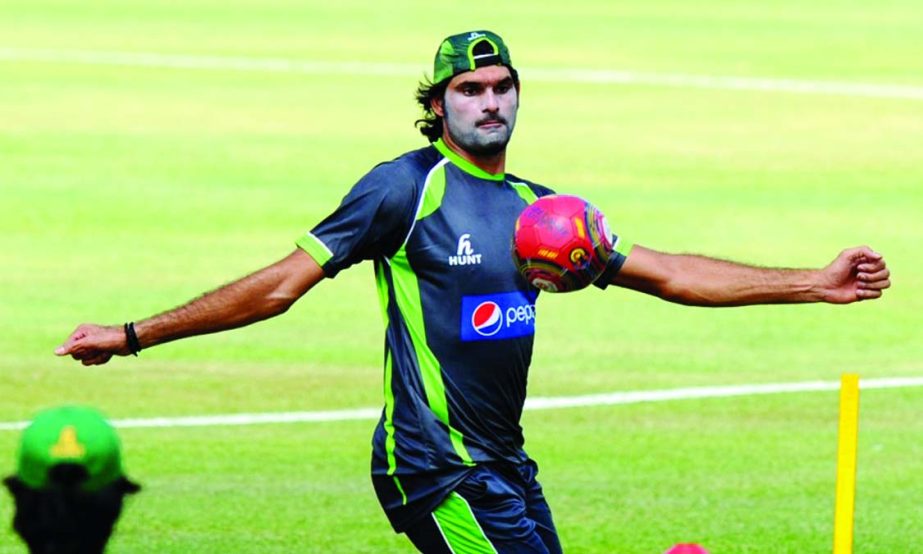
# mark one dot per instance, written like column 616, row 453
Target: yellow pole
column 846, row 465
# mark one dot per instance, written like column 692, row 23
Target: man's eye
column 470, row 91
column 503, row 89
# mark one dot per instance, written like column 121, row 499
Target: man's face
column 479, row 109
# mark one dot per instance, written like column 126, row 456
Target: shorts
column 498, row 508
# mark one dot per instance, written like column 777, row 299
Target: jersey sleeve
column 372, row 221
column 534, row 189
column 616, row 261
column 540, row 190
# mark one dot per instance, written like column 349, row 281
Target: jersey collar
column 465, row 165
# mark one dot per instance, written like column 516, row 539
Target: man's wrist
column 815, row 290
column 131, row 338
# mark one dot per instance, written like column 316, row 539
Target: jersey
column 460, row 319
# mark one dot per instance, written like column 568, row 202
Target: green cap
column 69, row 434
column 467, row 52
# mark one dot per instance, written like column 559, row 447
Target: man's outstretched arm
column 856, row 274
column 258, row 296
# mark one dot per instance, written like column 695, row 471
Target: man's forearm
column 234, row 305
column 702, row 281
column 258, row 296
column 265, row 293
column 856, row 274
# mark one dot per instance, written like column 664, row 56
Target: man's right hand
column 95, row 344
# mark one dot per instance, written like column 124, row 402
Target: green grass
column 127, row 190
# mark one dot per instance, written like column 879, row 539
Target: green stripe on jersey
column 524, row 192
column 435, row 190
column 390, row 442
column 381, row 282
column 389, row 415
column 407, row 293
column 315, row 248
column 465, row 165
column 461, row 530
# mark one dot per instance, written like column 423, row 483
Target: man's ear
column 436, row 105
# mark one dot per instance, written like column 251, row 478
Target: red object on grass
column 686, row 548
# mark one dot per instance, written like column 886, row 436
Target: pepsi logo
column 487, row 319
column 498, row 316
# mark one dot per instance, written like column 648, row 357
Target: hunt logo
column 464, row 254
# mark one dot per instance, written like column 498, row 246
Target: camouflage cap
column 69, row 434
column 467, row 52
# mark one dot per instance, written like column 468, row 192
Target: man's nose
column 491, row 102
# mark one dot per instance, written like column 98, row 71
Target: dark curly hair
column 430, row 125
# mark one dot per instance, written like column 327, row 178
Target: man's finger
column 72, row 340
column 860, row 253
column 79, row 350
column 875, row 285
column 68, row 346
column 871, row 267
column 94, row 359
column 877, row 276
column 84, row 351
column 98, row 359
column 867, row 294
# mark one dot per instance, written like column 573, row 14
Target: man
column 69, row 485
column 448, row 465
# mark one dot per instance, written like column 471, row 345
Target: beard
column 473, row 140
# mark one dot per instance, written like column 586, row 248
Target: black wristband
column 132, row 339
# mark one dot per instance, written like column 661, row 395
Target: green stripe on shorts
column 459, row 527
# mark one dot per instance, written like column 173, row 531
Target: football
column 561, row 243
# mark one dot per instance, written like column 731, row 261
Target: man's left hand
column 856, row 274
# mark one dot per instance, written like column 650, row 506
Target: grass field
column 127, row 189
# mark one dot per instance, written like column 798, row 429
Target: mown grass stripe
column 383, row 69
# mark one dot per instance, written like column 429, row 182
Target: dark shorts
column 497, row 508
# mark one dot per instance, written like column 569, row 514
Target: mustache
column 493, row 118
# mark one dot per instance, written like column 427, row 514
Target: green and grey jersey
column 460, row 319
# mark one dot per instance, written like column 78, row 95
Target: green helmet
column 69, row 434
